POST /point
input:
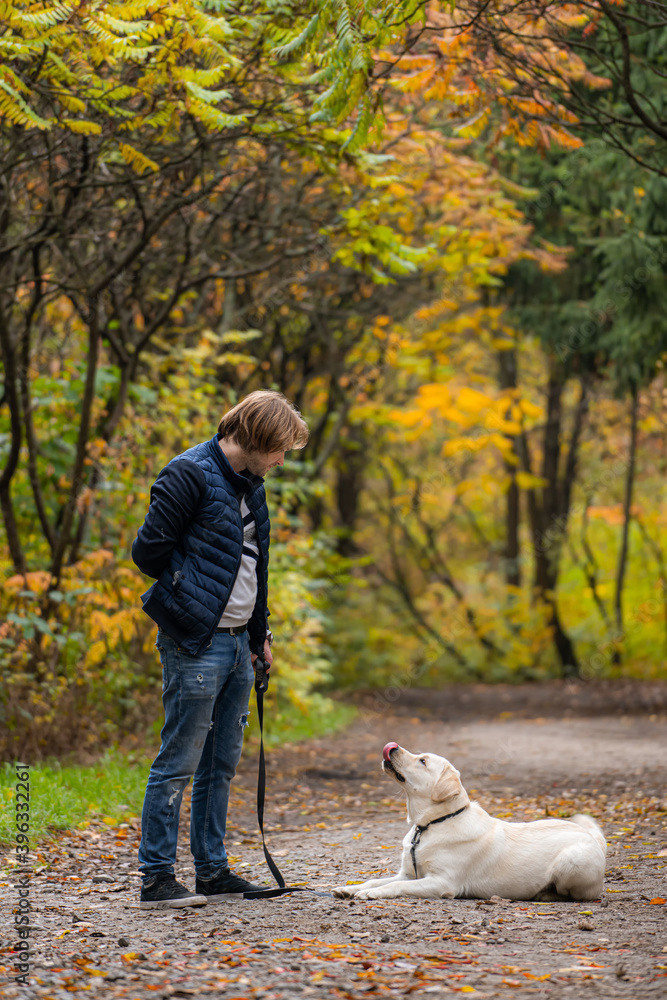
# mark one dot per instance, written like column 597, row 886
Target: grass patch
column 67, row 797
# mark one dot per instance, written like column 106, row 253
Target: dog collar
column 420, row 829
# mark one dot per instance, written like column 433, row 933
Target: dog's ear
column 447, row 786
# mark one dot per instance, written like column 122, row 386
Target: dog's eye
column 422, row 760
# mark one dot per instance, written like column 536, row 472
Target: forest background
column 441, row 230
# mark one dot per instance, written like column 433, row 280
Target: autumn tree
column 135, row 147
column 120, row 143
column 595, row 68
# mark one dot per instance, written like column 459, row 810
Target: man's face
column 259, row 462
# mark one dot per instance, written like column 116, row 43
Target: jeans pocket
column 164, row 642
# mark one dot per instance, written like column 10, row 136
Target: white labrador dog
column 455, row 849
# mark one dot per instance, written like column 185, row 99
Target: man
column 205, row 541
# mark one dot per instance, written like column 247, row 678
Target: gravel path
column 333, row 817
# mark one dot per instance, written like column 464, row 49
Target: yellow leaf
column 530, row 409
column 457, row 445
column 138, row 161
column 96, row 653
column 81, row 127
column 503, row 443
column 526, row 481
column 434, row 396
column 474, row 125
column 408, row 419
column 473, row 401
column 456, row 417
column 416, row 81
column 503, row 426
column 502, row 344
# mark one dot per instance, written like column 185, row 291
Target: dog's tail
column 593, row 828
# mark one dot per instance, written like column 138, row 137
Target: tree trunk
column 627, row 504
column 563, row 643
column 349, row 484
column 87, row 400
column 548, row 549
column 115, row 408
column 11, row 395
column 31, row 441
column 507, row 380
column 552, row 520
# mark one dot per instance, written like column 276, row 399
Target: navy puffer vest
column 192, row 541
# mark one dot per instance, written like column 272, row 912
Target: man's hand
column 268, row 659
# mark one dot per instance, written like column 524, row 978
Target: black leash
column 420, row 829
column 261, row 684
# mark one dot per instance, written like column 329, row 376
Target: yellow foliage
column 503, row 443
column 96, row 653
column 531, row 409
column 435, row 396
column 456, row 417
column 409, row 418
column 526, row 481
column 457, row 445
column 136, row 159
column 38, row 580
column 504, row 426
column 81, row 127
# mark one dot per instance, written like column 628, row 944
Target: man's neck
column 234, row 454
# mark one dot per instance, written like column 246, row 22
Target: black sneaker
column 162, row 891
column 227, row 885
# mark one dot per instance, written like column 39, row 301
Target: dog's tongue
column 387, row 750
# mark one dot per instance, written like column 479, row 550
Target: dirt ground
column 333, row 817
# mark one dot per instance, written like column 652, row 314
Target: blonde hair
column 265, row 421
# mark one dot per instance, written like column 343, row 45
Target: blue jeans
column 205, row 707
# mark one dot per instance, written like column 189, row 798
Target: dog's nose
column 386, row 753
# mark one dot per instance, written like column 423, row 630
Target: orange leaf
column 658, row 901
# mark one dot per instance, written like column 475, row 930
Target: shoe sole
column 169, row 904
column 224, row 897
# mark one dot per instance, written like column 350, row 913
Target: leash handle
column 261, row 684
column 261, row 675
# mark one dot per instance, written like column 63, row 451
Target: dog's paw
column 368, row 894
column 343, row 891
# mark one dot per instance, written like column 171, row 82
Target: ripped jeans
column 205, row 701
